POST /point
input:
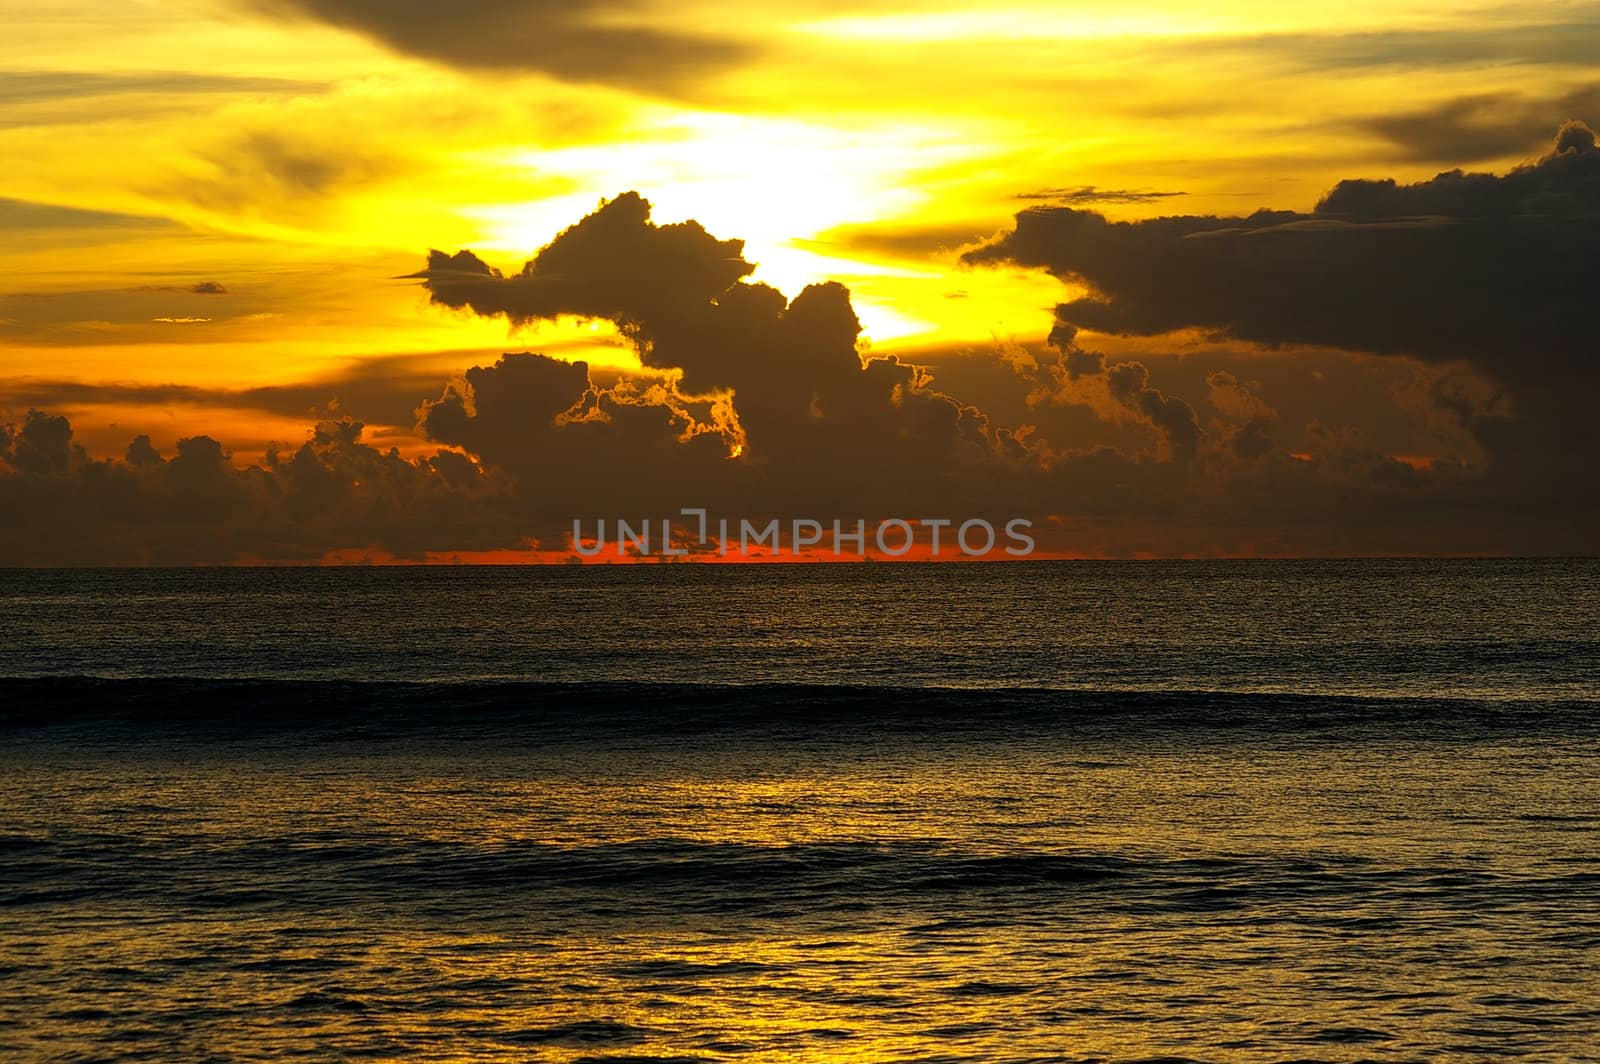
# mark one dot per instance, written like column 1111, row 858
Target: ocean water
column 1198, row 811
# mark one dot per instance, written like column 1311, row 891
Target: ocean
column 1076, row 811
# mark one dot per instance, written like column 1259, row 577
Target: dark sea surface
column 1209, row 811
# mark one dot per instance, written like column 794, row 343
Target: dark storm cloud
column 575, row 40
column 614, row 264
column 1473, row 128
column 575, row 448
column 797, row 395
column 1497, row 270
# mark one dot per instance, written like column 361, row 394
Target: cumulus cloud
column 1496, row 269
column 575, row 448
column 615, row 264
column 1130, row 384
column 198, row 506
column 1489, row 271
column 41, row 445
column 759, row 405
column 781, row 382
column 1246, row 418
column 1116, row 392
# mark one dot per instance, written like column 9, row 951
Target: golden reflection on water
column 903, row 899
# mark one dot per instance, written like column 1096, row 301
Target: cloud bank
column 1492, row 273
column 754, row 404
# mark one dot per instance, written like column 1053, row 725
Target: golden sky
column 208, row 207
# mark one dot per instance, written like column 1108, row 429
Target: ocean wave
column 298, row 874
column 556, row 710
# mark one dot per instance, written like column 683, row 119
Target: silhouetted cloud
column 197, row 506
column 576, row 448
column 782, row 378
column 141, row 452
column 596, row 41
column 913, row 241
column 1115, row 391
column 1248, row 420
column 1130, row 384
column 1494, row 269
column 755, row 405
column 199, row 288
column 614, row 264
column 42, row 444
column 1096, row 194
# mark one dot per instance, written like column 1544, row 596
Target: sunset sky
column 216, row 219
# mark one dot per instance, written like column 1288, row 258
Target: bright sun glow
column 767, row 181
column 772, row 183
